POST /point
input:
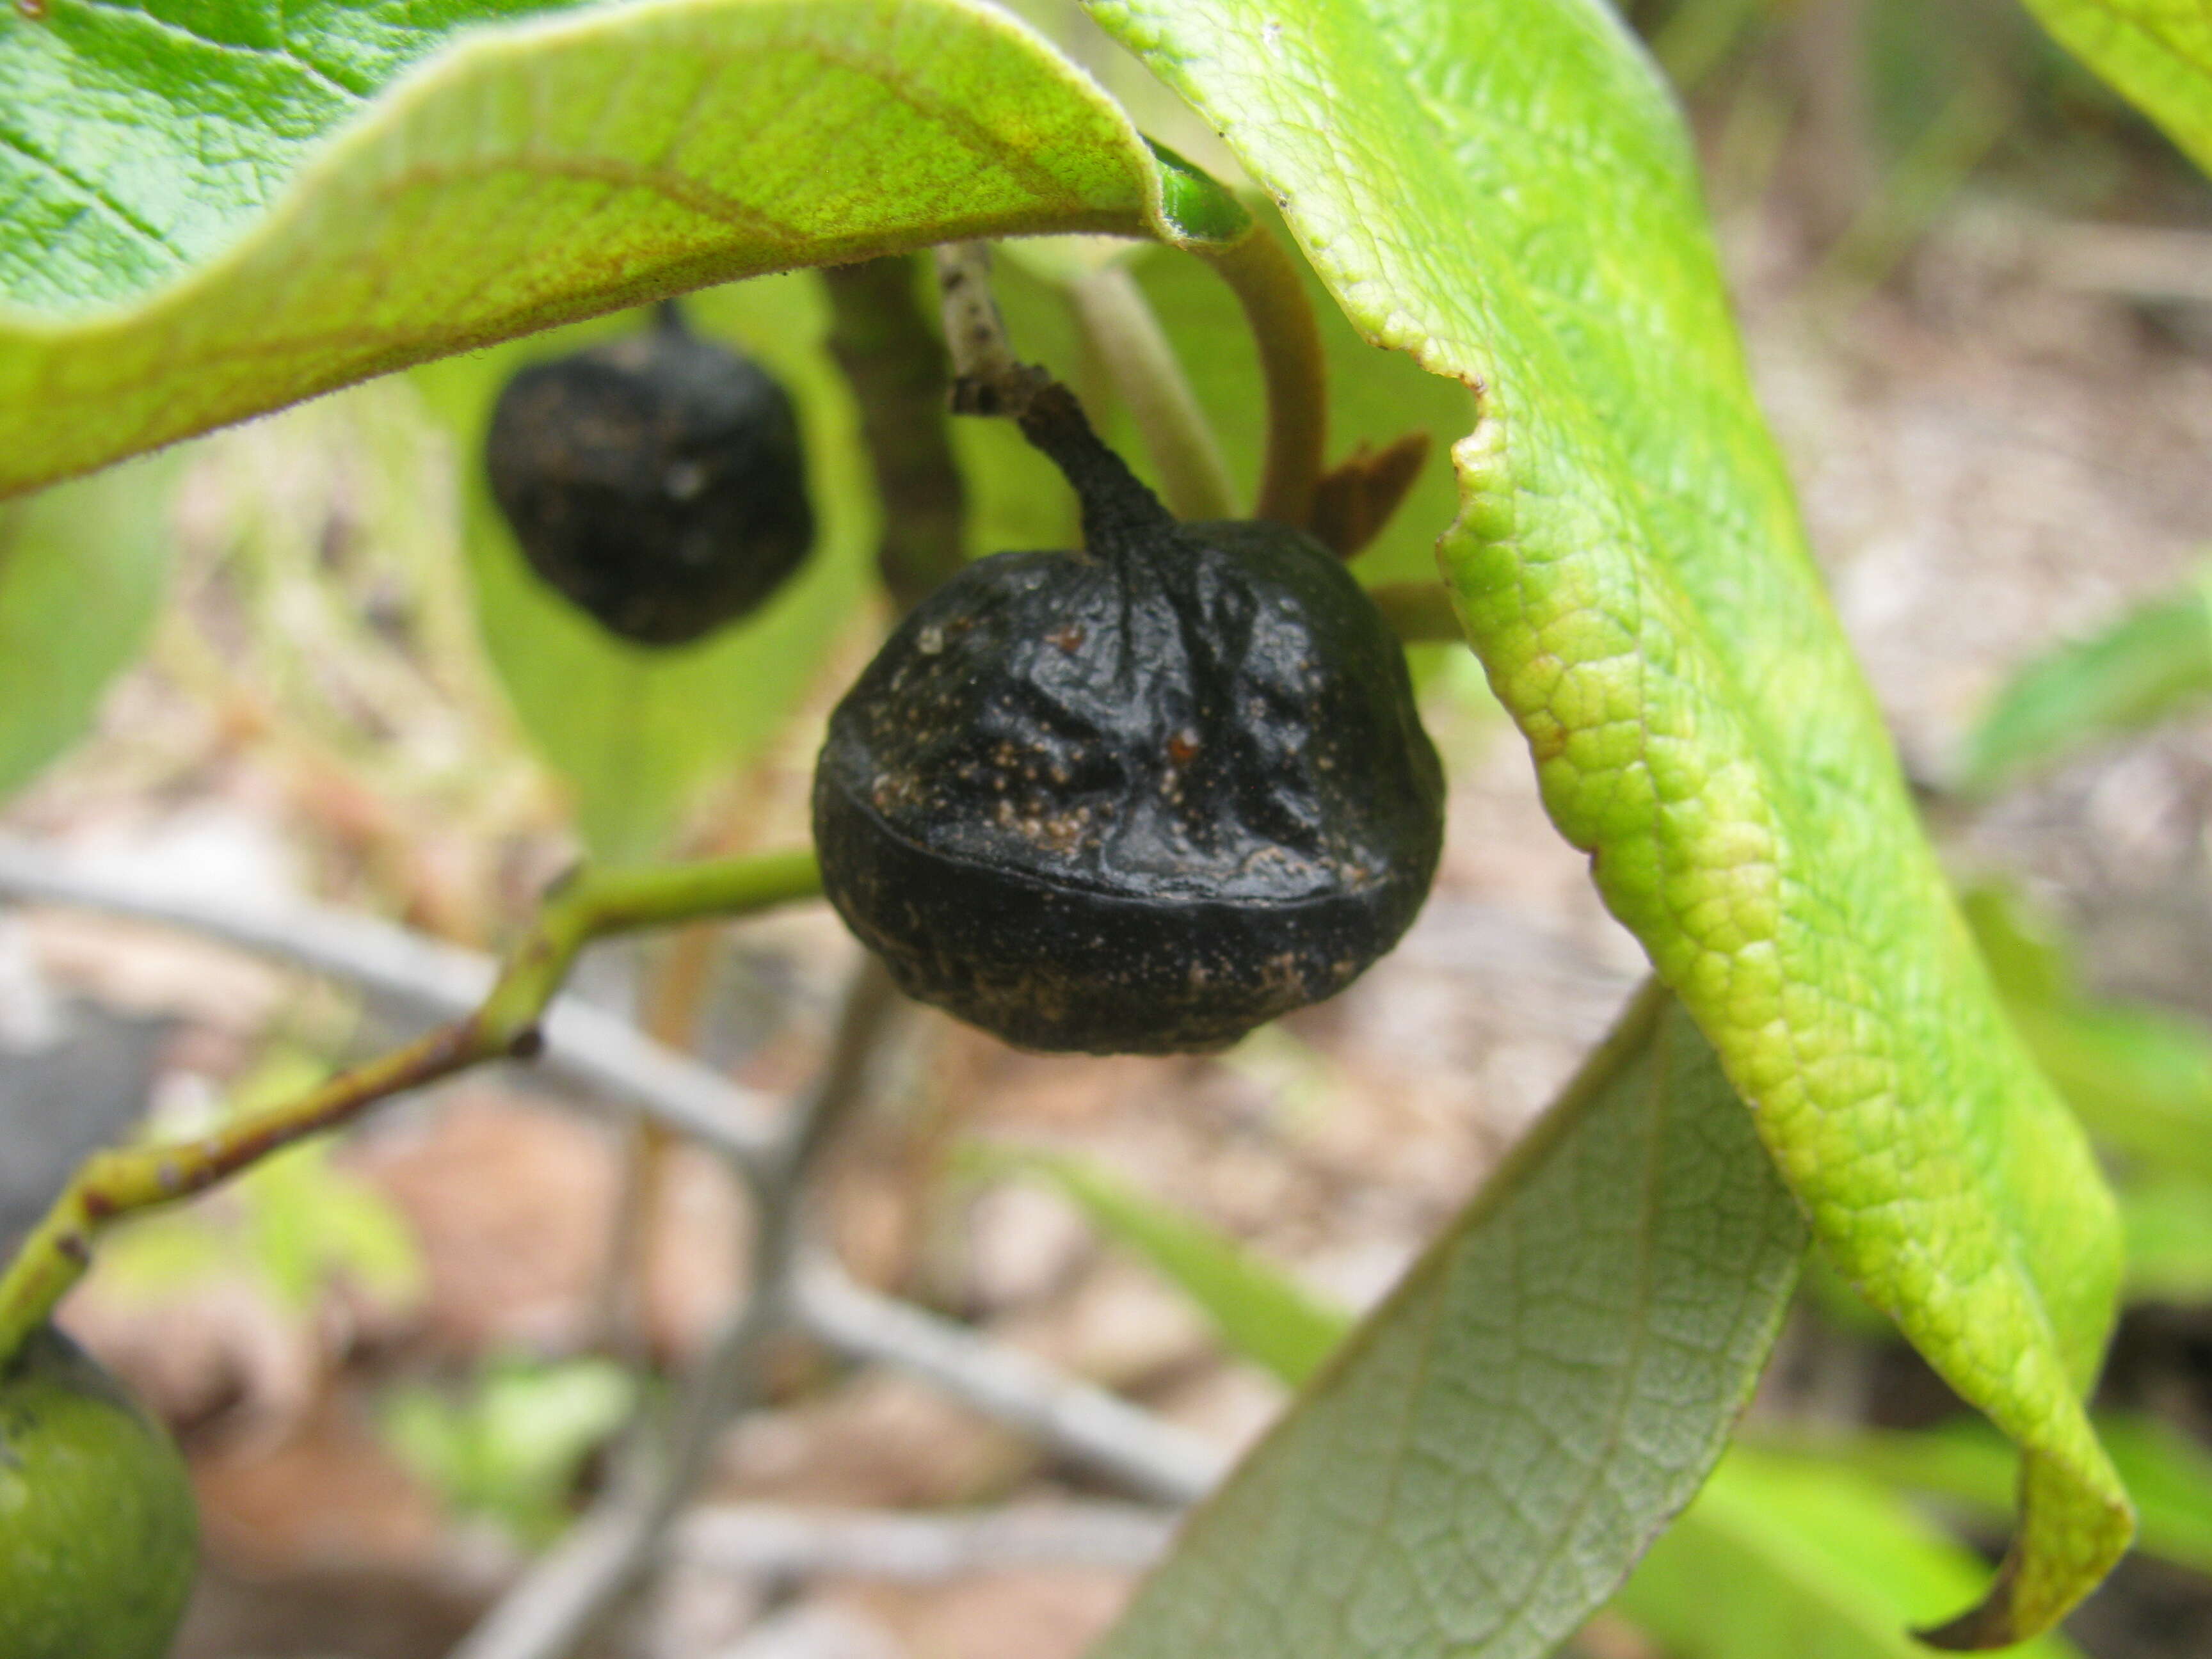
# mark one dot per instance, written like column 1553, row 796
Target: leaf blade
column 556, row 169
column 82, row 572
column 1264, row 1314
column 2146, row 664
column 2158, row 56
column 1525, row 217
column 1816, row 1562
column 1412, row 1500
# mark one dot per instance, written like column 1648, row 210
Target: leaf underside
column 1475, row 1471
column 267, row 234
column 1523, row 215
column 81, row 575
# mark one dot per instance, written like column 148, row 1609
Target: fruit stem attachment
column 584, row 907
column 1270, row 284
column 1120, row 513
column 987, row 379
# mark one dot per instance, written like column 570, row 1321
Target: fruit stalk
column 587, row 907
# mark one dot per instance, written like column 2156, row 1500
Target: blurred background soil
column 1984, row 332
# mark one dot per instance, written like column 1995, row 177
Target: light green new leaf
column 1477, row 1468
column 82, row 572
column 2168, row 1227
column 636, row 732
column 2140, row 1076
column 2147, row 664
column 1788, row 1556
column 2169, row 1474
column 1504, row 189
column 2158, row 52
column 1263, row 1314
column 264, row 229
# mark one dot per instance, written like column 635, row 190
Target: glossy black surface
column 657, row 482
column 1135, row 800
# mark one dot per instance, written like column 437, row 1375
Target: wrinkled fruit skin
column 1136, row 803
column 99, row 1538
column 656, row 482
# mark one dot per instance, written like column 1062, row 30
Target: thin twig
column 677, row 979
column 570, row 1590
column 989, row 378
column 781, row 1543
column 1270, row 284
column 115, row 1182
column 1419, row 613
column 1085, row 1424
column 584, row 1045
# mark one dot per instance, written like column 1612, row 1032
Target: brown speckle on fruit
column 1177, row 785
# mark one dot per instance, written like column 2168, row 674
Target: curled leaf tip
column 2068, row 1541
column 1990, row 1623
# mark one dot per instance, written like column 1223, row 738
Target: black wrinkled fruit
column 657, row 482
column 1141, row 799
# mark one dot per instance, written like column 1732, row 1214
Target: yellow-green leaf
column 258, row 219
column 1503, row 188
column 1474, row 1471
column 2158, row 52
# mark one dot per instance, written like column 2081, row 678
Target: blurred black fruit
column 98, row 1539
column 1139, row 799
column 656, row 481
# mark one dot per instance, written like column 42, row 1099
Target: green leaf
column 2159, row 54
column 239, row 94
column 2168, row 1227
column 1262, row 1313
column 2149, row 663
column 1789, row 1556
column 1504, row 189
column 267, row 208
column 512, row 1447
column 636, row 732
column 1816, row 1557
column 82, row 573
column 1374, row 396
column 1477, row 1468
column 2141, row 1077
column 2169, row 1474
column 2170, row 1477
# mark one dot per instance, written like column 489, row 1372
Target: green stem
column 117, row 1182
column 1270, row 284
column 1119, row 322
